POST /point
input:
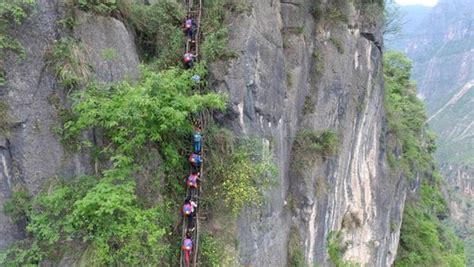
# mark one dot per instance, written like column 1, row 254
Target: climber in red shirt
column 187, row 248
column 188, row 60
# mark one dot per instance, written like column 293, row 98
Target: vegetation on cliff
column 11, row 12
column 424, row 239
column 138, row 135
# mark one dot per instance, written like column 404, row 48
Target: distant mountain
column 412, row 17
column 440, row 41
column 441, row 47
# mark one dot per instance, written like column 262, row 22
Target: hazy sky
column 417, row 2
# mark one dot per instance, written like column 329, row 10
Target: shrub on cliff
column 424, row 240
column 12, row 11
column 105, row 214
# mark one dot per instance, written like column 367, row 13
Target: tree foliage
column 11, row 12
column 158, row 31
column 105, row 213
column 406, row 115
column 393, row 20
column 424, row 240
column 240, row 170
column 157, row 109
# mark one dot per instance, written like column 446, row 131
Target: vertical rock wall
column 31, row 153
column 295, row 70
column 298, row 70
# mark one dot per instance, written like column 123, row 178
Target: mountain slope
column 443, row 55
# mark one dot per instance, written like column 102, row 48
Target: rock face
column 301, row 65
column 299, row 70
column 31, row 153
column 110, row 48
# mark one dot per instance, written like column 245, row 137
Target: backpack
column 197, row 137
column 187, row 244
column 187, row 57
column 195, row 159
column 188, row 24
column 187, row 209
column 192, row 180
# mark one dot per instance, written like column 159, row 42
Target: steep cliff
column 303, row 78
column 31, row 153
column 315, row 66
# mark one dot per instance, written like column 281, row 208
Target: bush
column 156, row 109
column 336, row 248
column 318, row 58
column 424, row 241
column 102, row 213
column 4, row 119
column 12, row 11
column 18, row 206
column 336, row 15
column 215, row 46
column 338, row 44
column 211, row 252
column 401, row 100
column 103, row 7
column 68, row 59
column 308, row 106
column 215, row 43
column 295, row 251
column 309, row 145
column 240, row 171
column 159, row 36
column 241, row 182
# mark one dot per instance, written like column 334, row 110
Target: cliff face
column 298, row 70
column 31, row 153
column 300, row 66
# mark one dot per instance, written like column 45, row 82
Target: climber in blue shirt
column 197, row 140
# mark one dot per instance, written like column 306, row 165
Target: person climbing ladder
column 192, row 182
column 189, row 210
column 188, row 60
column 197, row 136
column 187, row 248
column 190, row 28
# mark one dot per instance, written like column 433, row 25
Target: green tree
column 104, row 212
column 424, row 240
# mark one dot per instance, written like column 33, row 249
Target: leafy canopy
column 424, row 240
column 154, row 110
column 105, row 214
